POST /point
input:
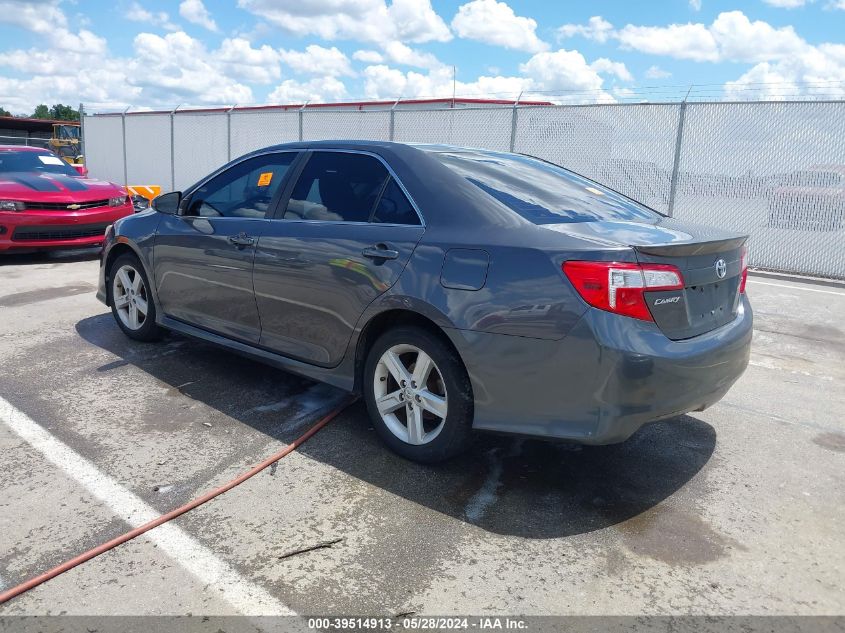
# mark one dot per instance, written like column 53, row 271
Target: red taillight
column 619, row 286
column 743, row 263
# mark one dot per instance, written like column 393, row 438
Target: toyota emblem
column 721, row 268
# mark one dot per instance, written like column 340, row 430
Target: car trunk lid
column 710, row 261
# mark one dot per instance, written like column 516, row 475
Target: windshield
column 541, row 192
column 39, row 162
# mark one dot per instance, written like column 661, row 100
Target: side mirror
column 168, row 203
column 82, row 170
column 139, row 203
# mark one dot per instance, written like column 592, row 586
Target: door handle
column 242, row 239
column 380, row 251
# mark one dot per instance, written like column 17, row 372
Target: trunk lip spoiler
column 692, row 248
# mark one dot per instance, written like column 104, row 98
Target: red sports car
column 45, row 203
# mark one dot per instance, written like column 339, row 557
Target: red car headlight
column 119, row 201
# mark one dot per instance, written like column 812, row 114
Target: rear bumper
column 602, row 382
column 38, row 230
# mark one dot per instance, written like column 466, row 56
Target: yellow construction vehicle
column 67, row 143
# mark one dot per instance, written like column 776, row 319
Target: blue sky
column 152, row 53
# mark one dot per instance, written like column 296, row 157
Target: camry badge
column 721, row 268
column 74, row 207
column 662, row 300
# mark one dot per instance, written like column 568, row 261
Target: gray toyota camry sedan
column 455, row 289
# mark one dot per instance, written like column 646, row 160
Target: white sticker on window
column 50, row 160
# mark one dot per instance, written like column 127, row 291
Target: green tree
column 4, row 112
column 63, row 113
column 59, row 112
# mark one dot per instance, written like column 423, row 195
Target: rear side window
column 394, row 208
column 541, row 192
column 337, row 186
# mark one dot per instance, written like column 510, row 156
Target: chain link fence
column 774, row 170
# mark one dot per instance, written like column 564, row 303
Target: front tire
column 130, row 299
column 418, row 395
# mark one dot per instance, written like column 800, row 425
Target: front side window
column 541, row 192
column 244, row 190
column 337, row 187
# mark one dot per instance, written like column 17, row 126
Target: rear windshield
column 42, row 162
column 541, row 192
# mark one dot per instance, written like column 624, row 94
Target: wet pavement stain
column 831, row 441
column 45, row 294
column 675, row 537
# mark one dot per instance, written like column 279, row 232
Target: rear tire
column 418, row 395
column 131, row 300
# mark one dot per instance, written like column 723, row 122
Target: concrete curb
column 818, row 281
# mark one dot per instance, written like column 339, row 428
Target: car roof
column 376, row 146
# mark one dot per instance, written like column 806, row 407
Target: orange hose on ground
column 164, row 518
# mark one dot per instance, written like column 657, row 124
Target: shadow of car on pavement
column 506, row 485
column 63, row 256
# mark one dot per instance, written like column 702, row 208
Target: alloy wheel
column 129, row 294
column 410, row 394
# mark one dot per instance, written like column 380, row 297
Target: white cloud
column 362, row 20
column 38, row 17
column 561, row 70
column 168, row 69
column 819, row 71
column 194, row 11
column 137, row 13
column 383, row 82
column 47, row 19
column 399, row 53
column 179, row 67
column 731, row 37
column 597, row 28
column 786, row 4
column 656, row 72
column 695, row 5
column 495, row 23
column 370, row 57
column 318, row 89
column 416, row 21
column 162, row 72
column 237, row 57
column 835, row 4
column 740, row 39
column 683, row 41
column 94, row 76
column 604, row 65
column 318, row 60
column 559, row 75
column 98, row 87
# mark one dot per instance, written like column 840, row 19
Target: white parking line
column 768, row 283
column 246, row 597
